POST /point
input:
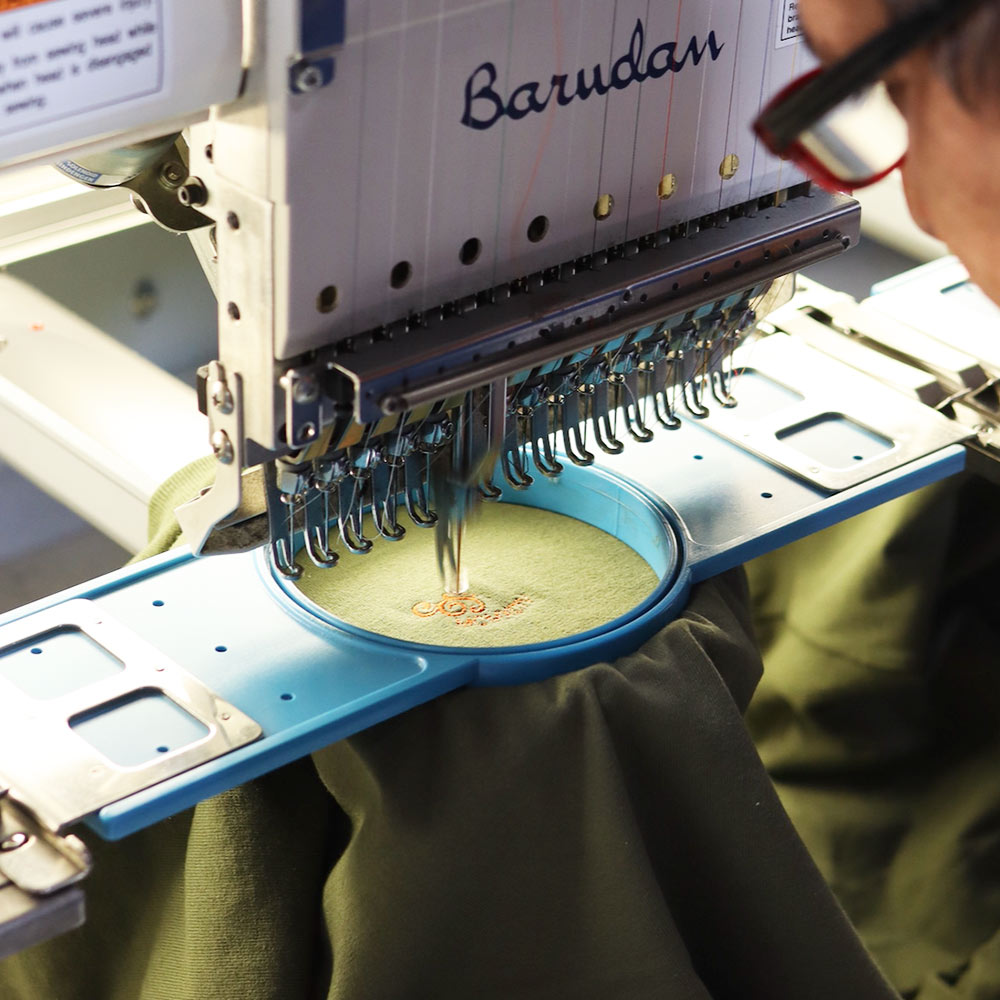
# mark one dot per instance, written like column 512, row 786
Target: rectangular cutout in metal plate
column 133, row 730
column 37, row 666
column 834, row 440
column 821, row 414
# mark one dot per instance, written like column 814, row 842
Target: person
column 608, row 833
column 948, row 92
column 879, row 712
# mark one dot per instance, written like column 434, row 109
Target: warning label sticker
column 789, row 29
column 60, row 58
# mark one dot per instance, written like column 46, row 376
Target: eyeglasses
column 839, row 124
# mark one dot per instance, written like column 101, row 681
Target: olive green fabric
column 219, row 903
column 607, row 833
column 534, row 576
column 183, row 485
column 879, row 719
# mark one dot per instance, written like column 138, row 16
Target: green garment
column 879, row 720
column 520, row 590
column 610, row 833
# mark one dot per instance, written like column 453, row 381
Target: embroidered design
column 451, row 605
column 468, row 609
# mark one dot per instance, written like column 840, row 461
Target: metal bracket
column 820, row 394
column 198, row 517
column 52, row 760
column 154, row 191
column 302, row 407
column 38, row 876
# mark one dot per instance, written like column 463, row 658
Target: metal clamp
column 199, row 517
column 302, row 407
column 57, row 772
column 39, row 872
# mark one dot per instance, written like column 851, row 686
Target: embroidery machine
column 460, row 250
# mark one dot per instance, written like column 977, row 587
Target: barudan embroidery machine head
column 461, row 250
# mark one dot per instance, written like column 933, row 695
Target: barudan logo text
column 484, row 106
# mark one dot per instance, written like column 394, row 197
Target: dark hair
column 970, row 55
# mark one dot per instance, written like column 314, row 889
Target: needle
column 457, row 472
column 456, row 578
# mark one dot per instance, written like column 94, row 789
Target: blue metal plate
column 308, row 681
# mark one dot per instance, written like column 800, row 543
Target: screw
column 222, row 447
column 232, row 220
column 308, row 77
column 14, row 841
column 192, row 193
column 222, row 398
column 225, row 716
column 172, row 173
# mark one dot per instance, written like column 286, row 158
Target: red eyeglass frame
column 798, row 154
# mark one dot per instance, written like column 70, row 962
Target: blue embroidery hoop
column 599, row 498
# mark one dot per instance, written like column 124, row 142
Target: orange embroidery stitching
column 468, row 609
column 451, row 605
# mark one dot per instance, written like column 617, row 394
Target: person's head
column 949, row 93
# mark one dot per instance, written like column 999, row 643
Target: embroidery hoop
column 597, row 497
